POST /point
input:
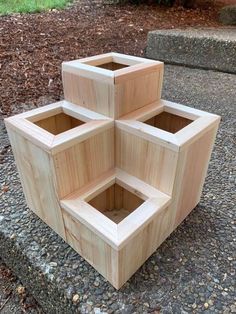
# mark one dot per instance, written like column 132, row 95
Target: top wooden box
column 112, row 84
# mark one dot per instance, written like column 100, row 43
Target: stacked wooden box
column 113, row 169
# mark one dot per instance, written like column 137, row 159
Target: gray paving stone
column 204, row 48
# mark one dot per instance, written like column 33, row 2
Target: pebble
column 206, row 305
column 75, row 298
column 96, row 283
column 194, row 305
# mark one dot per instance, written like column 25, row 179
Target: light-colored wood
column 117, row 237
column 92, row 247
column 136, row 92
column 193, row 166
column 37, row 179
column 156, row 164
column 83, row 162
column 100, row 84
column 113, row 169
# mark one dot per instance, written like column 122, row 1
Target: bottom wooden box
column 95, row 226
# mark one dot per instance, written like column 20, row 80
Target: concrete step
column 208, row 48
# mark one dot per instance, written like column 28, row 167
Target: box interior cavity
column 168, row 122
column 112, row 66
column 116, row 202
column 58, row 123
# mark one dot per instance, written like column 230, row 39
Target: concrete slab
column 228, row 15
column 193, row 270
column 203, row 48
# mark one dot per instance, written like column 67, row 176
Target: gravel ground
column 193, row 271
column 14, row 298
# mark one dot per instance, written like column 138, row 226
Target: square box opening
column 116, row 202
column 168, row 122
column 112, row 66
column 58, row 123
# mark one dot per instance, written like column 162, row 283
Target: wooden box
column 112, row 84
column 116, row 181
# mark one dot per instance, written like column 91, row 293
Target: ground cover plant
column 28, row 6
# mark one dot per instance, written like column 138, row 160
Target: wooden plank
column 83, row 162
column 146, row 132
column 142, row 245
column 79, row 134
column 37, row 178
column 144, row 113
column 196, row 130
column 192, row 166
column 137, row 71
column 41, row 112
column 156, row 164
column 119, row 57
column 31, row 131
column 87, row 71
column 93, row 249
column 130, row 94
column 89, row 93
column 82, row 113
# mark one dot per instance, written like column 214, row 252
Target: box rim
column 23, row 123
column 117, row 235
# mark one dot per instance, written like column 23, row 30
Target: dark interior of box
column 59, row 123
column 168, row 122
column 116, row 202
column 112, row 66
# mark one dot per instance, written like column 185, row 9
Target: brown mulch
column 32, row 47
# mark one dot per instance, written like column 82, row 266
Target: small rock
column 20, row 290
column 53, row 264
column 194, row 305
column 206, row 305
column 96, row 283
column 75, row 298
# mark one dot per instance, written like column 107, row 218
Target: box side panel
column 84, row 162
column 142, row 245
column 92, row 248
column 138, row 92
column 152, row 163
column 37, row 178
column 192, row 168
column 94, row 95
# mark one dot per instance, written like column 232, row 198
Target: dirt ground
column 32, row 47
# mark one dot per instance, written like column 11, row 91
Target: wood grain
column 113, row 169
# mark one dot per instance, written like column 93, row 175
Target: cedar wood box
column 113, row 168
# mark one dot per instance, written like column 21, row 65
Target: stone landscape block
column 205, row 48
column 228, row 15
